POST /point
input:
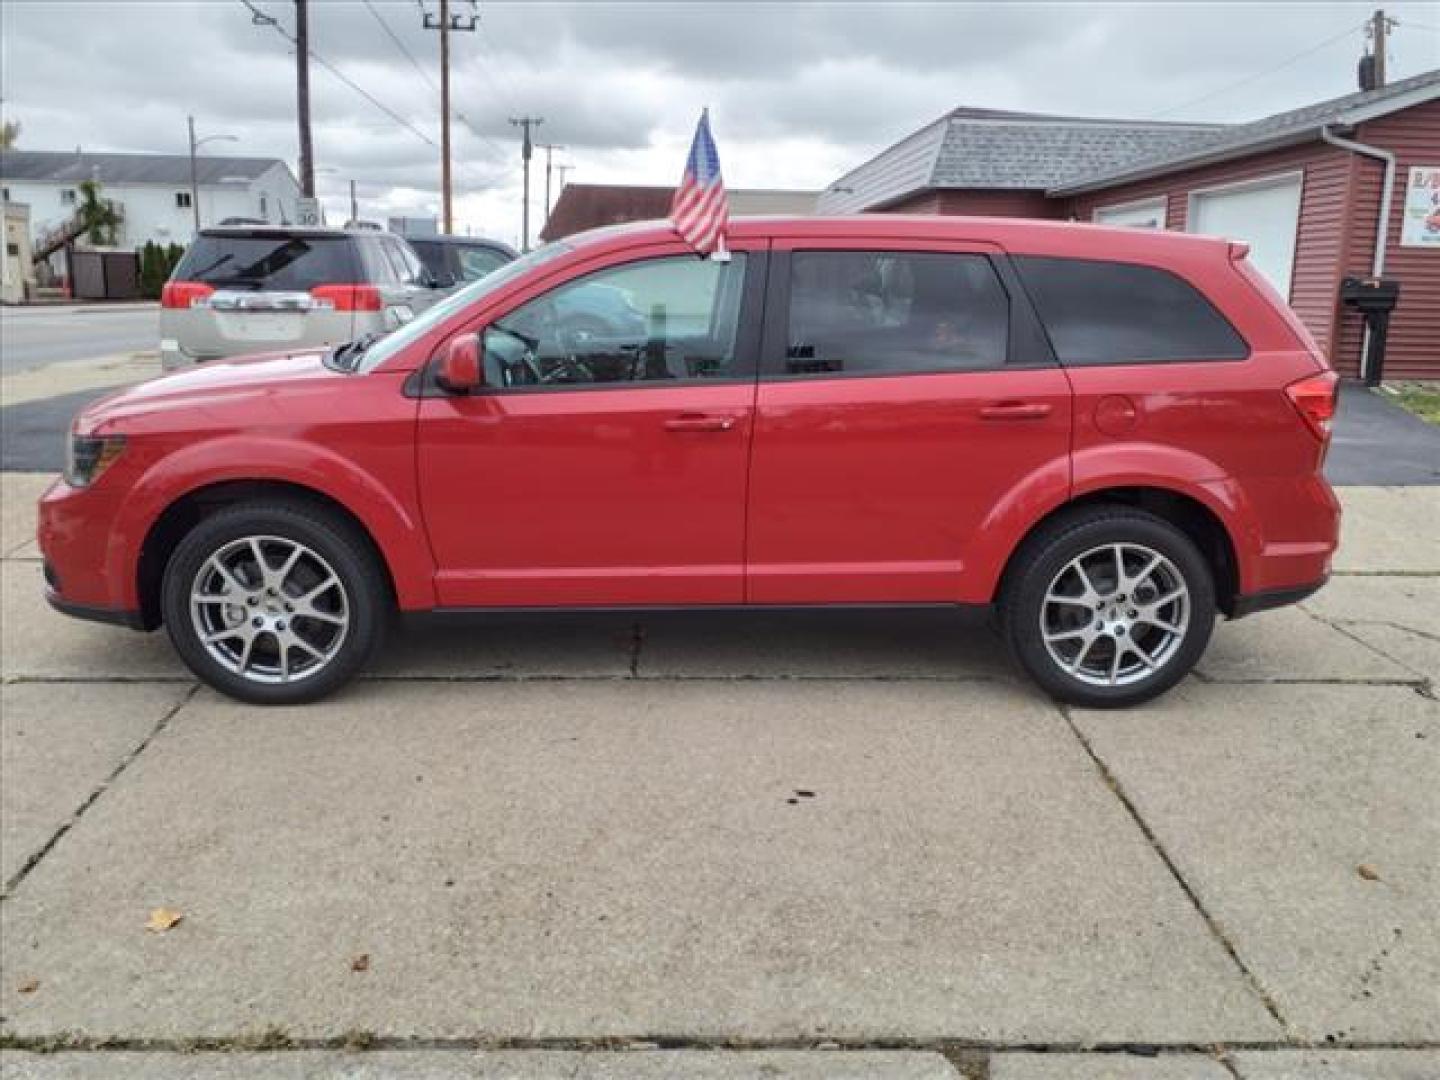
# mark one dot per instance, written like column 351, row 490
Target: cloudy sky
column 799, row 93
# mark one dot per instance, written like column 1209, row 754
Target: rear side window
column 272, row 263
column 1100, row 312
column 884, row 312
column 378, row 267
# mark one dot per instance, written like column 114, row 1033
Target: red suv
column 1108, row 436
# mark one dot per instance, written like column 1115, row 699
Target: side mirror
column 439, row 279
column 460, row 370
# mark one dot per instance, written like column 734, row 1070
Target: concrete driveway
column 747, row 846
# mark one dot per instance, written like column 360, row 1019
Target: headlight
column 87, row 456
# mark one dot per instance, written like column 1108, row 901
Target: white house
column 152, row 190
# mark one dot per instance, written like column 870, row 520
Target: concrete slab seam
column 277, row 1040
column 1339, row 627
column 1113, row 783
column 100, row 789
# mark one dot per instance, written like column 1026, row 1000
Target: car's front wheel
column 274, row 603
column 1108, row 606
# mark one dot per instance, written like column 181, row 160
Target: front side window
column 658, row 320
column 1100, row 312
column 884, row 312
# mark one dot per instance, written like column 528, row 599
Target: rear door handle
column 699, row 422
column 1015, row 410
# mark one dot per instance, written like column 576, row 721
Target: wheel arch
column 190, row 508
column 1191, row 515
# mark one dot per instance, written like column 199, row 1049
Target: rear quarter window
column 1101, row 312
column 271, row 263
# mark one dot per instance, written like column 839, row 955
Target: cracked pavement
column 745, row 845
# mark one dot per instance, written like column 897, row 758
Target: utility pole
column 302, row 90
column 549, row 149
column 562, row 170
column 446, row 23
column 354, row 204
column 525, row 123
column 1377, row 32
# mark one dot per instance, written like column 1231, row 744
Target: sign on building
column 1420, row 223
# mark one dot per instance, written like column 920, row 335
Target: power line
column 261, row 18
column 1262, row 74
column 401, row 46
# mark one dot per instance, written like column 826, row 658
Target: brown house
column 1304, row 188
column 588, row 206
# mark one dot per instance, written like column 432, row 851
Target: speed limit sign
column 308, row 212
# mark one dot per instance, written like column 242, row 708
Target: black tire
column 1071, row 536
column 365, row 596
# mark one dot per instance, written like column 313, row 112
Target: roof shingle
column 66, row 166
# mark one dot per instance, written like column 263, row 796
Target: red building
column 1304, row 188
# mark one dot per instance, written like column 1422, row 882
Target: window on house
column 264, row 208
column 67, row 196
column 4, row 194
column 182, row 199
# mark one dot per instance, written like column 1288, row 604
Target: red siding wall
column 1414, row 347
column 1319, row 245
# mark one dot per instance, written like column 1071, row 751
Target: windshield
column 418, row 327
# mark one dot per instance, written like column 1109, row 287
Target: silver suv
column 254, row 290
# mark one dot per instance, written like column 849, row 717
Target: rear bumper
column 1273, row 598
column 115, row 617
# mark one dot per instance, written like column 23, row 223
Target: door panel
column 605, row 463
column 876, row 490
column 889, row 456
column 586, row 496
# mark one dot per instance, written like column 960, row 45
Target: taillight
column 1314, row 399
column 347, row 297
column 184, row 294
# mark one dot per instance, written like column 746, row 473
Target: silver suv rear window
column 270, row 263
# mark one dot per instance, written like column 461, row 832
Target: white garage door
column 1146, row 215
column 1265, row 215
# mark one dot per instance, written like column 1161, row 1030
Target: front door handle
column 1015, row 410
column 699, row 422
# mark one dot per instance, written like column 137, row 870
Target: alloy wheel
column 269, row 609
column 1115, row 615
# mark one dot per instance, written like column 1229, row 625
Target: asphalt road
column 34, row 337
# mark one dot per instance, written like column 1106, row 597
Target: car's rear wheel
column 274, row 603
column 1108, row 606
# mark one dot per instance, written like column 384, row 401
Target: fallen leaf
column 162, row 919
column 361, row 962
column 29, row 986
column 1368, row 872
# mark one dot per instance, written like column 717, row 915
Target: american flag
column 701, row 209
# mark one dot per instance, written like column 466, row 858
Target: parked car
column 598, row 310
column 248, row 289
column 1106, row 436
column 461, row 259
